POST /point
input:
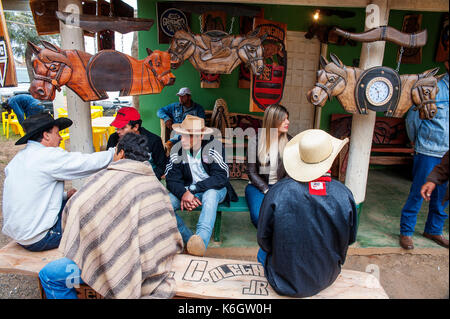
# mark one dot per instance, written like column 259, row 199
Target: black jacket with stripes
column 179, row 176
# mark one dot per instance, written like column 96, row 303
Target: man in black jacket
column 128, row 120
column 197, row 175
column 307, row 221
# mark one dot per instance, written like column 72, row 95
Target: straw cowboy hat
column 192, row 125
column 41, row 122
column 310, row 154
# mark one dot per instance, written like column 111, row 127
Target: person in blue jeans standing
column 23, row 105
column 197, row 175
column 430, row 138
column 176, row 112
column 263, row 168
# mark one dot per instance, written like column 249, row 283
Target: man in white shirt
column 33, row 194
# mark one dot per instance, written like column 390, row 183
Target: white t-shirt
column 195, row 164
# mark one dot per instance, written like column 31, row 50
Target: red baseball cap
column 124, row 116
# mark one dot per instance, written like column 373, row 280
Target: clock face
column 379, row 91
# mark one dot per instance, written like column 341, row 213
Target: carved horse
column 90, row 76
column 336, row 79
column 216, row 51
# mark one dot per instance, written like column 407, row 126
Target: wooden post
column 377, row 13
column 77, row 110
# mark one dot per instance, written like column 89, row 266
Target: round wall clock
column 378, row 90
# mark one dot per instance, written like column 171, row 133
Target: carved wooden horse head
column 217, row 51
column 91, row 76
column 51, row 68
column 336, row 79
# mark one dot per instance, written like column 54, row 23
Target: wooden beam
column 410, row 5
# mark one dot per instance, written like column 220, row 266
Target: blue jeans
column 59, row 279
column 262, row 255
column 52, row 238
column 422, row 167
column 254, row 199
column 210, row 200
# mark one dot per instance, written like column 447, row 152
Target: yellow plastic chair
column 98, row 137
column 61, row 112
column 15, row 125
column 65, row 136
column 96, row 111
column 4, row 121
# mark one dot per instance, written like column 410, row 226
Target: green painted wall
column 298, row 18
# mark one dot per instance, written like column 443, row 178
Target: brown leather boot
column 439, row 239
column 406, row 242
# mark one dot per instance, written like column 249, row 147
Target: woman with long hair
column 265, row 157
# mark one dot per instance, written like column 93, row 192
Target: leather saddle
column 216, row 44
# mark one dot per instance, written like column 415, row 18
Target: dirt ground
column 403, row 276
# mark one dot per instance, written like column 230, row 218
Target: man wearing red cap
column 129, row 120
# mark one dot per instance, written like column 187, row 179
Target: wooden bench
column 204, row 277
column 390, row 143
column 239, row 206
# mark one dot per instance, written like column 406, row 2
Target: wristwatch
column 193, row 188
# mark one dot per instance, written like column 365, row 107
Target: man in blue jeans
column 197, row 175
column 176, row 112
column 23, row 105
column 430, row 138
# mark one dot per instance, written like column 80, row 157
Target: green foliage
column 21, row 29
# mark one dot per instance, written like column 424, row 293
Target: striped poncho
column 121, row 231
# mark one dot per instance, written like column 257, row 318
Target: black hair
column 6, row 106
column 40, row 135
column 133, row 123
column 134, row 147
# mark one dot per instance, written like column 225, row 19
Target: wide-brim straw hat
column 192, row 125
column 310, row 154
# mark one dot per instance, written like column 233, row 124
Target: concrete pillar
column 77, row 110
column 377, row 13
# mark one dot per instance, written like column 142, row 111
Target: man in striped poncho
column 120, row 233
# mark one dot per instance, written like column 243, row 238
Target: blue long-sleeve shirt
column 177, row 113
column 430, row 137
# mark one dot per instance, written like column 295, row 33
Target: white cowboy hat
column 310, row 154
column 192, row 125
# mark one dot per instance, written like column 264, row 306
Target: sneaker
column 195, row 246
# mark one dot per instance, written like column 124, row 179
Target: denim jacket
column 430, row 137
column 175, row 112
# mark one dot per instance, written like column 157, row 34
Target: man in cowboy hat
column 176, row 112
column 197, row 175
column 33, row 193
column 128, row 120
column 307, row 220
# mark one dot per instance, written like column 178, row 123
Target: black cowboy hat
column 41, row 122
